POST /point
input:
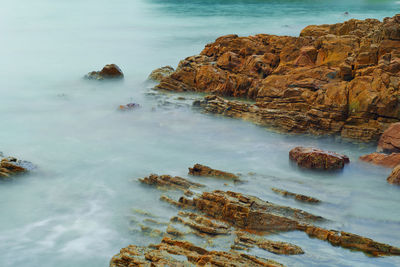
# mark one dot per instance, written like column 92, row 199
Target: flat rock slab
column 385, row 160
column 202, row 170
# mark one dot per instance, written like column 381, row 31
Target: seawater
column 83, row 202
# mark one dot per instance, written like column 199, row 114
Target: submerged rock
column 169, row 182
column 394, row 177
column 390, row 161
column 165, row 254
column 390, row 139
column 160, row 73
column 338, row 79
column 202, row 170
column 11, row 166
column 110, row 71
column 313, row 158
column 129, row 106
column 297, row 197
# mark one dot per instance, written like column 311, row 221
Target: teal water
column 76, row 208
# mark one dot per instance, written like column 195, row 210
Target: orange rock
column 390, row 139
column 312, row 158
column 385, row 160
column 394, row 177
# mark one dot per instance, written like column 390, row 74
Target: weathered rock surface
column 245, row 240
column 390, row 161
column 164, row 254
column 202, row 170
column 340, row 79
column 160, row 73
column 390, row 139
column 110, row 71
column 298, row 197
column 312, row 158
column 11, row 166
column 168, row 181
column 394, row 177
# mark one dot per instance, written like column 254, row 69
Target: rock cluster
column 110, row 71
column 164, row 254
column 202, row 170
column 333, row 79
column 298, row 197
column 158, row 74
column 312, row 158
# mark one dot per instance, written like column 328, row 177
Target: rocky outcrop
column 167, row 181
column 164, row 254
column 298, row 197
column 341, row 79
column 386, row 160
column 11, row 166
column 312, row 158
column 110, row 71
column 202, row 170
column 160, row 73
column 245, row 240
column 390, row 139
column 394, row 177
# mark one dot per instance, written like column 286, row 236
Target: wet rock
column 390, row 139
column 298, row 197
column 312, row 158
column 352, row 241
column 202, row 170
column 390, row 161
column 158, row 74
column 244, row 239
column 11, row 166
column 338, row 79
column 165, row 254
column 128, row 106
column 394, row 177
column 168, row 181
column 110, row 71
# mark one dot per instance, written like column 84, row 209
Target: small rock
column 313, row 158
column 110, row 71
column 158, row 74
column 394, row 177
column 382, row 159
column 297, row 197
column 202, row 170
column 128, row 106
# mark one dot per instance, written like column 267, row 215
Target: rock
column 11, row 166
column 244, row 239
column 394, row 177
column 168, row 181
column 390, row 161
column 128, row 106
column 298, row 197
column 339, row 79
column 390, row 139
column 164, row 254
column 158, row 74
column 312, row 158
column 202, row 170
column 110, row 71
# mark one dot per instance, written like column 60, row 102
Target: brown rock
column 385, row 160
column 160, row 73
column 163, row 255
column 202, row 170
column 169, row 182
column 339, row 79
column 312, row 158
column 12, row 166
column 390, row 139
column 110, row 71
column 394, row 177
column 298, row 197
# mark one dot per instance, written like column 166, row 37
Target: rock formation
column 158, row 74
column 110, row 71
column 312, row 158
column 169, row 182
column 386, row 160
column 390, row 139
column 11, row 166
column 340, row 79
column 394, row 177
column 202, row 170
column 298, row 197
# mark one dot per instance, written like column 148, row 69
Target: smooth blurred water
column 76, row 208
